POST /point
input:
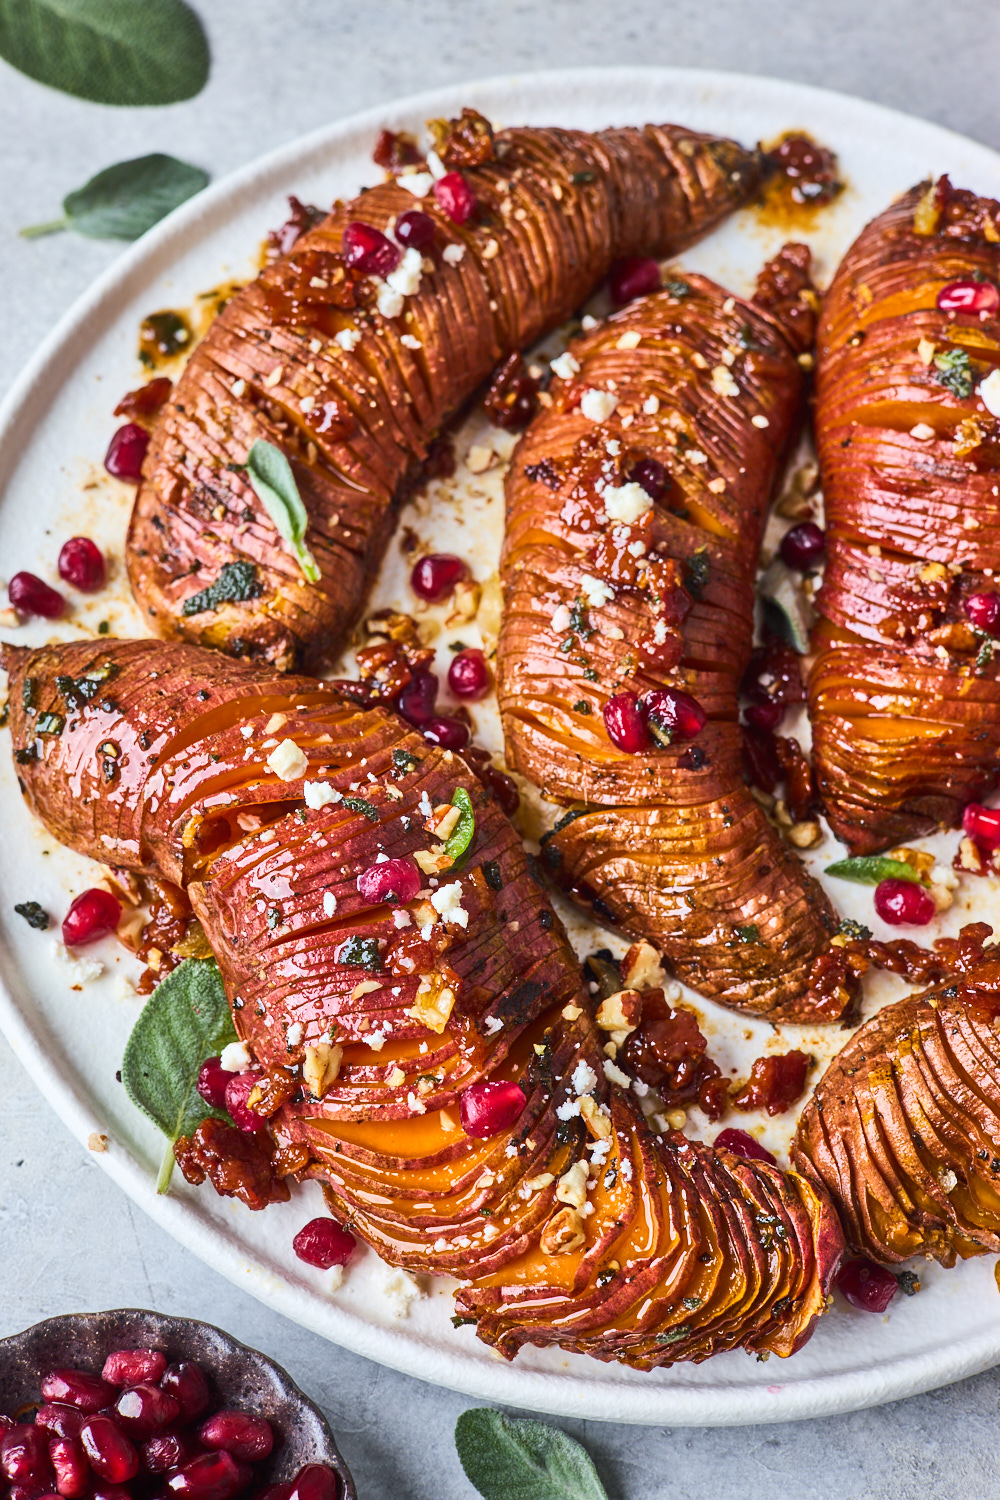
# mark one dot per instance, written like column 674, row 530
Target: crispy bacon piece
column 687, row 1251
column 555, row 209
column 904, row 695
column 667, row 843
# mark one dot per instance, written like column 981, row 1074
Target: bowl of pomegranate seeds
column 131, row 1405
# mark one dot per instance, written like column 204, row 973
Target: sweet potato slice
column 353, row 396
column 667, row 843
column 904, row 693
column 267, row 796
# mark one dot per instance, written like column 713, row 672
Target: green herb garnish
column 237, row 582
column 360, row 805
column 749, row 934
column 360, row 953
column 513, row 1458
column 870, row 869
column 36, row 916
column 50, row 723
column 271, row 475
column 954, row 372
column 125, row 200
column 464, row 830
column 404, row 761
column 696, row 571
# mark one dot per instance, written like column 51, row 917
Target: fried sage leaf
column 511, row 1458
column 271, row 475
column 870, row 869
column 108, row 51
column 464, row 831
column 125, row 200
column 185, row 1021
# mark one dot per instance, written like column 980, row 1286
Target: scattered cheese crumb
column 78, row 970
column 989, row 393
column 239, row 387
column 400, row 918
column 588, row 323
column 348, row 339
column 561, row 619
column 448, row 902
column 598, row 406
column 235, row 1057
column 409, row 342
column 760, row 420
column 584, row 1078
column 615, row 1074
column 400, row 1290
column 288, row 761
column 492, row 1025
column 436, row 166
column 723, row 383
column 565, row 366
column 568, row 1109
column 307, row 403
column 630, row 339
column 452, row 254
column 335, row 1278
column 405, row 279
column 389, row 301
column 320, row 794
column 596, row 591
column 417, row 183
column 295, row 1033
column 329, row 903
column 626, row 502
column 922, row 432
column 651, row 405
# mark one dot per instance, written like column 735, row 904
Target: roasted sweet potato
column 903, row 1129
column 268, row 797
column 904, row 694
column 304, row 358
column 653, row 588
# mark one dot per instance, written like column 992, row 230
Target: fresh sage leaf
column 870, row 869
column 125, row 200
column 463, row 832
column 785, row 607
column 185, row 1021
column 271, row 475
column 511, row 1458
column 108, row 51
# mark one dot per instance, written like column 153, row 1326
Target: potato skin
column 668, row 844
column 905, row 706
column 902, row 1130
column 194, row 800
column 623, row 192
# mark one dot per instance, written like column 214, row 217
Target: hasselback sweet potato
column 611, row 588
column 904, row 693
column 903, row 1129
column 352, row 377
column 268, row 798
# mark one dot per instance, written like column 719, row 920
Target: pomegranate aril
column 146, row 400
column 434, row 577
column 395, row 880
column 867, row 1286
column 324, row 1243
column 110, row 1454
column 30, row 596
column 636, row 276
column 81, row 564
column 60, row 1420
column 212, row 1081
column 488, row 1108
column 983, row 611
column 673, row 715
column 982, row 824
column 469, row 676
column 69, row 1463
column 449, row 734
column 368, row 250
column 24, row 1455
column 761, row 766
column 764, row 715
column 416, row 701
column 652, row 476
column 88, row 1393
column 238, row 1090
column 130, row 1366
column 189, row 1384
column 803, row 546
column 742, row 1143
column 210, row 1476
column 239, row 1433
column 92, row 915
column 904, row 903
column 455, row 196
column 126, row 452
column 143, row 1409
column 969, row 296
column 415, row 230
column 314, row 1482
column 625, row 721
column 165, row 1451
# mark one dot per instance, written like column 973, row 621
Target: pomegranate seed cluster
column 142, row 1427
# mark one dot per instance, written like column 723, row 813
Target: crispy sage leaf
column 271, row 475
column 185, row 1021
column 108, row 51
column 870, row 869
column 463, row 832
column 510, row 1458
column 125, row 200
column 785, row 607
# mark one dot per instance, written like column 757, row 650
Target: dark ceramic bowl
column 241, row 1377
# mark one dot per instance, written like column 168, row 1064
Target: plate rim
column 729, row 1403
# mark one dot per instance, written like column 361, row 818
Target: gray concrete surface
column 69, row 1240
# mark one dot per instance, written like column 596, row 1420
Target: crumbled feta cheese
column 630, row 339
column 587, row 323
column 626, row 502
column 424, row 805
column 235, row 1057
column 695, row 456
column 329, row 903
column 295, row 1033
column 492, row 1025
column 584, row 1078
column 400, row 918
column 598, row 406
column 405, row 279
column 723, row 383
column 760, row 420
column 320, row 794
column 568, row 1109
column 348, row 339
column 78, row 970
column 409, row 342
column 452, row 254
column 307, row 403
column 448, row 902
column 400, row 1290
column 239, row 387
column 615, row 1074
column 246, row 730
column 436, row 166
column 989, row 393
column 417, row 1106
column 417, row 183
column 288, row 761
column 560, row 619
column 335, row 1278
column 613, row 446
column 651, row 405
column 596, row 591
column 599, row 1151
column 389, row 301
column 376, row 1040
column 565, row 366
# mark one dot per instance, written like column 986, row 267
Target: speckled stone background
column 69, row 1240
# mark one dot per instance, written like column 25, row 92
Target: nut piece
column 969, row 857
column 464, row 602
column 572, row 1185
column 320, row 1067
column 805, row 835
column 599, row 1125
column 641, row 968
column 620, row 1012
column 564, row 1232
column 434, row 1002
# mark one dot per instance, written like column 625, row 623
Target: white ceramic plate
column 53, row 432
